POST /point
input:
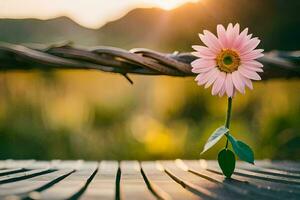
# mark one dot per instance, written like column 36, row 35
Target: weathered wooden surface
column 179, row 179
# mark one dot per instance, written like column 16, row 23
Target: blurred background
column 96, row 115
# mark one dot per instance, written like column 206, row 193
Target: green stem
column 228, row 117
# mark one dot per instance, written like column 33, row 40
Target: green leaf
column 226, row 160
column 215, row 137
column 242, row 150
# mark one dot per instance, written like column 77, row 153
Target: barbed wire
column 277, row 64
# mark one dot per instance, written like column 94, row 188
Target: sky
column 88, row 13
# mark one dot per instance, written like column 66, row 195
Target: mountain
column 276, row 22
column 44, row 31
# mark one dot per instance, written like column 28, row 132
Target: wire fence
column 277, row 64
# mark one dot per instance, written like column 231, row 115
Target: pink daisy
column 227, row 62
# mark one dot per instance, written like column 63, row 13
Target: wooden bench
column 175, row 179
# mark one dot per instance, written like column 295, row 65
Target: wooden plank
column 267, row 177
column 237, row 185
column 285, row 189
column 289, row 163
column 164, row 186
column 2, row 164
column 15, row 166
column 72, row 184
column 66, row 164
column 39, row 165
column 103, row 186
column 23, row 175
column 262, row 170
column 177, row 180
column 5, row 172
column 132, row 184
column 33, row 184
column 206, row 188
column 17, row 163
column 272, row 186
column 282, row 165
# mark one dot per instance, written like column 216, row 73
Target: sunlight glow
column 88, row 13
column 181, row 165
column 171, row 4
column 203, row 163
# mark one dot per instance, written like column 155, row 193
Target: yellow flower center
column 228, row 60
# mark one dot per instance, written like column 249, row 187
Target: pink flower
column 227, row 62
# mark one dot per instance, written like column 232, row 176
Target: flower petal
column 204, row 77
column 203, row 63
column 198, row 70
column 248, row 73
column 237, row 82
column 232, row 33
column 252, row 68
column 229, row 35
column 213, row 39
column 248, row 37
column 247, row 82
column 236, row 29
column 229, row 85
column 222, row 35
column 199, row 78
column 222, row 91
column 252, row 44
column 218, row 83
column 252, row 63
column 206, row 40
column 252, row 55
column 212, row 79
column 241, row 39
column 203, row 52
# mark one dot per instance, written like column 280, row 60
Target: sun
column 171, row 4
